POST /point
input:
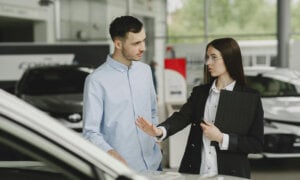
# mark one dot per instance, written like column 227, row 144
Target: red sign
column 176, row 64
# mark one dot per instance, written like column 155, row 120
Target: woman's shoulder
column 201, row 87
column 247, row 89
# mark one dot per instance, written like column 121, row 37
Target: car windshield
column 53, row 81
column 270, row 87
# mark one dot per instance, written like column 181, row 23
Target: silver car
column 280, row 92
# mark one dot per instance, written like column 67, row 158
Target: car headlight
column 75, row 117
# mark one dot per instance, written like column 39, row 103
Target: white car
column 35, row 146
column 280, row 92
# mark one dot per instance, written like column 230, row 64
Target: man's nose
column 143, row 47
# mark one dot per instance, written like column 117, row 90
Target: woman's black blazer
column 239, row 114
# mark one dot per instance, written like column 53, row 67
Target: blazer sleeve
column 240, row 114
column 179, row 120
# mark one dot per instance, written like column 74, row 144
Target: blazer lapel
column 200, row 103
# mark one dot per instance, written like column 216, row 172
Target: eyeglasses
column 213, row 59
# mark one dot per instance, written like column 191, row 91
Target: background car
column 280, row 92
column 57, row 90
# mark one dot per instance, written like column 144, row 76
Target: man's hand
column 116, row 155
column 148, row 128
column 211, row 132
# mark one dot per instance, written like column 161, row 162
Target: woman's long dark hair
column 232, row 57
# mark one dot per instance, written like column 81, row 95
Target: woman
column 226, row 117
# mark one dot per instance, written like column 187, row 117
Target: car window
column 23, row 147
column 269, row 87
column 52, row 81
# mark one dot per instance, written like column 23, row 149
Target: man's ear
column 118, row 43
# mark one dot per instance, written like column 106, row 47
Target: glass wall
column 195, row 21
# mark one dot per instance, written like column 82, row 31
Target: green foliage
column 251, row 19
column 188, row 19
column 295, row 22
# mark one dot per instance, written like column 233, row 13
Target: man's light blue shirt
column 114, row 96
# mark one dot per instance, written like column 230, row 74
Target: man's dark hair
column 124, row 24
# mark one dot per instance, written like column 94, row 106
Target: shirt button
column 193, row 145
column 194, row 124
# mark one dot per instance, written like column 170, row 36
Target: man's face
column 133, row 47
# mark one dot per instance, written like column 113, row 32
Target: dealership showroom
column 55, row 123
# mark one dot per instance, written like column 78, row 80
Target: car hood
column 286, row 109
column 281, row 128
column 63, row 103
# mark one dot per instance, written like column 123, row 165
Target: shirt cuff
column 164, row 134
column 105, row 147
column 225, row 142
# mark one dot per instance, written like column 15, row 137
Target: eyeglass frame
column 212, row 58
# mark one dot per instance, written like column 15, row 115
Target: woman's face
column 215, row 63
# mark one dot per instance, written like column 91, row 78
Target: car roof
column 29, row 116
column 61, row 67
column 283, row 74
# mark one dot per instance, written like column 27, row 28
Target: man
column 117, row 93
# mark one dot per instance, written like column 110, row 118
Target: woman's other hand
column 211, row 132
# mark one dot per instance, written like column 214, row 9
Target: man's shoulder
column 102, row 68
column 99, row 71
column 246, row 89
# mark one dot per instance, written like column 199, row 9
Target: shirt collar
column 229, row 87
column 117, row 65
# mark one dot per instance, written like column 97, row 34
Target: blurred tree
column 187, row 21
column 255, row 19
column 295, row 23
